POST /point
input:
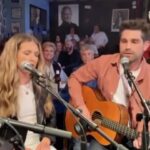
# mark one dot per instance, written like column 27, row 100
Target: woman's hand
column 44, row 144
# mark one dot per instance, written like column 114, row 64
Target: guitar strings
column 130, row 133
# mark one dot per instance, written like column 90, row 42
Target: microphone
column 37, row 128
column 125, row 63
column 29, row 67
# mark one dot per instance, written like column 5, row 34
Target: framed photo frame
column 38, row 17
column 15, row 27
column 16, row 13
column 148, row 16
column 72, row 10
column 118, row 15
column 15, row 1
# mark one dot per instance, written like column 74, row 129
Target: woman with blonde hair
column 20, row 97
column 58, row 83
column 53, row 69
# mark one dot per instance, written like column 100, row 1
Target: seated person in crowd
column 72, row 35
column 53, row 69
column 69, row 58
column 58, row 80
column 59, row 48
column 88, row 41
column 99, row 38
column 87, row 54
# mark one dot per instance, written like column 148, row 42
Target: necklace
column 27, row 88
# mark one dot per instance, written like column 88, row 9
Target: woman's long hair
column 9, row 78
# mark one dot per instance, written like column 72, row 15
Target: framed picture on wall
column 15, row 1
column 38, row 17
column 16, row 13
column 15, row 27
column 68, row 13
column 118, row 15
column 148, row 16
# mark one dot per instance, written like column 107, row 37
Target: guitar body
column 108, row 109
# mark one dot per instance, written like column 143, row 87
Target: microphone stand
column 93, row 126
column 7, row 142
column 146, row 114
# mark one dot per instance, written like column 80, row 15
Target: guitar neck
column 121, row 129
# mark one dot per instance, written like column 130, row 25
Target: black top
column 69, row 62
column 6, row 133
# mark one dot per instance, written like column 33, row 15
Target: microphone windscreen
column 24, row 65
column 124, row 60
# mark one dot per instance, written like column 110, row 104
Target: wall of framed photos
column 17, row 15
column 107, row 13
column 16, row 24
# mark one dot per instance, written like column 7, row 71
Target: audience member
column 99, row 38
column 58, row 83
column 59, row 48
column 92, row 46
column 72, row 35
column 58, row 39
column 53, row 69
column 86, row 53
column 69, row 58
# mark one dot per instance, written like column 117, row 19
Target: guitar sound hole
column 97, row 117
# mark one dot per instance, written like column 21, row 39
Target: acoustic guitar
column 110, row 117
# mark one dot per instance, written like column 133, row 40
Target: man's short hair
column 137, row 24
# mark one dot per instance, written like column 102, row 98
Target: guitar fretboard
column 122, row 129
